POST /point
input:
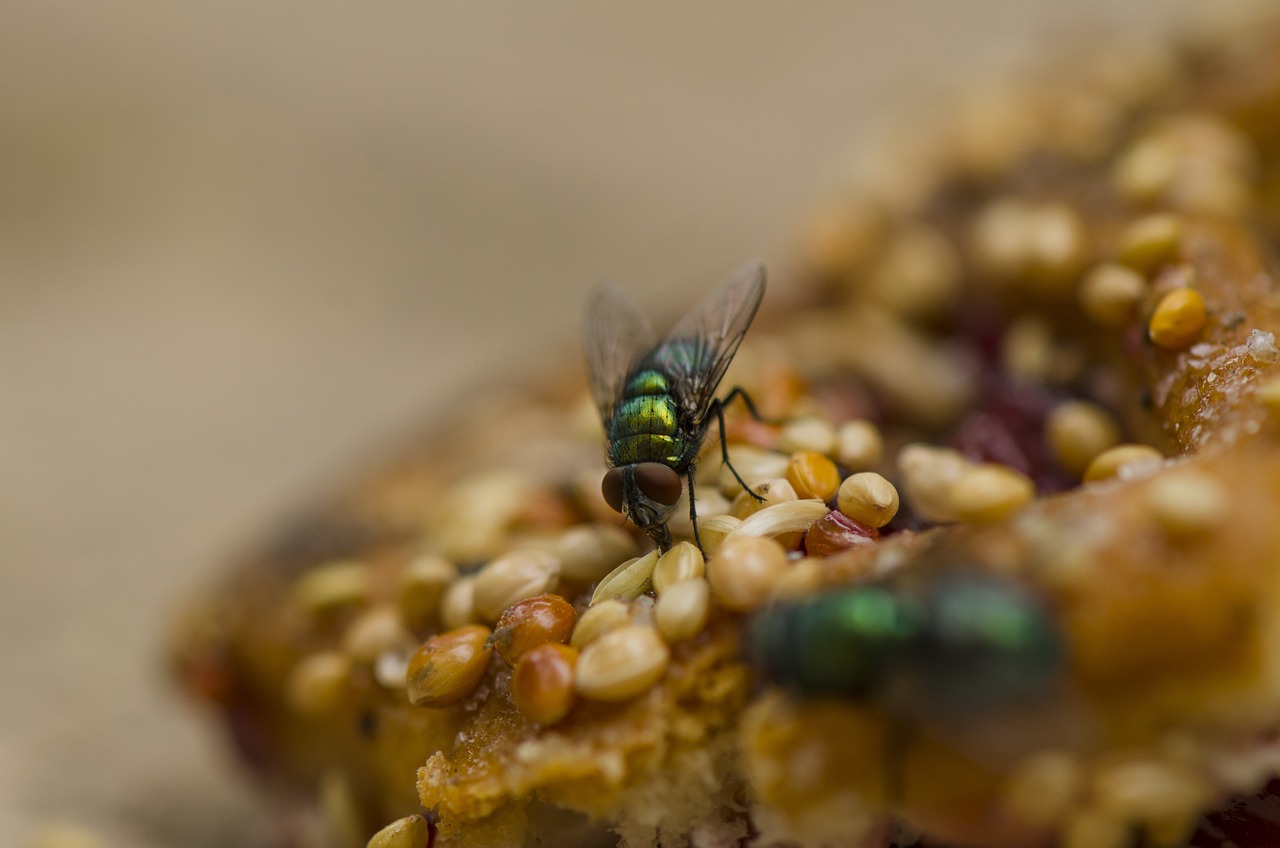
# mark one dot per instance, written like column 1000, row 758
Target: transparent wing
column 617, row 333
column 698, row 350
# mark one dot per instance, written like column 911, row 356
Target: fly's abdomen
column 645, row 425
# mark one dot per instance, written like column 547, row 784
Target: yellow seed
column 1057, row 246
column 1178, row 319
column 1000, row 241
column 1147, row 169
column 621, row 664
column 628, row 581
column 859, row 445
column 374, row 633
column 1027, row 349
column 868, row 499
column 340, row 812
column 1188, row 503
column 588, row 552
column 1042, row 789
column 408, row 832
column 1111, row 294
column 745, row 570
column 458, row 603
column 1269, row 396
column 422, row 584
column 683, row 562
column 1122, row 461
column 318, row 683
column 449, row 666
column 918, row 275
column 1150, row 791
column 682, row 611
column 779, row 520
column 812, row 475
column 599, row 620
column 714, row 529
column 990, row 492
column 1094, row 829
column 775, row 491
column 802, row 579
column 807, row 433
column 513, row 577
column 1149, row 242
column 542, row 683
column 1077, row 431
column 333, row 585
column 928, row 473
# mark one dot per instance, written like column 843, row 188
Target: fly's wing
column 698, row 350
column 617, row 334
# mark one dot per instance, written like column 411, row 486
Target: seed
column 1149, row 241
column 449, row 666
column 1077, row 431
column 754, row 464
column 859, row 445
column 716, row 528
column 1150, row 791
column 1095, row 829
column 1057, row 245
column 422, row 584
column 318, row 683
column 682, row 611
column 868, row 499
column 775, row 491
column 628, row 581
column 390, row 670
column 807, row 433
column 990, row 492
column 588, row 552
column 1043, row 788
column 513, row 577
column 374, row 633
column 1269, row 397
column 1027, row 349
column 340, row 812
column 333, row 585
column 1000, row 237
column 621, row 664
column 408, row 832
column 458, row 603
column 928, row 474
column 918, row 275
column 598, row 620
column 802, row 579
column 683, row 562
column 1122, row 461
column 812, row 475
column 1111, row 293
column 1189, row 503
column 836, row 532
column 542, row 683
column 1147, row 169
column 780, row 519
column 65, row 835
column 744, row 571
column 532, row 622
column 1178, row 319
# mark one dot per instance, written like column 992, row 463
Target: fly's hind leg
column 718, row 406
column 693, row 512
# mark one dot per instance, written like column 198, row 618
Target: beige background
column 242, row 242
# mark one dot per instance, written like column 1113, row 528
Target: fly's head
column 646, row 493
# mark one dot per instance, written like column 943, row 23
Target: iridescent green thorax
column 646, row 426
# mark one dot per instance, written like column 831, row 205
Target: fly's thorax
column 646, row 424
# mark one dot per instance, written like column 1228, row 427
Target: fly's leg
column 718, row 406
column 661, row 536
column 693, row 511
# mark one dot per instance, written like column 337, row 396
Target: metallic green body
column 646, row 424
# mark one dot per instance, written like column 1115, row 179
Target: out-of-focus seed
column 449, row 666
column 513, row 577
column 1269, row 397
column 1042, row 789
column 745, row 570
column 475, row 519
column 802, row 579
column 1057, row 246
column 1027, row 349
column 542, row 683
column 340, row 812
column 812, row 475
column 780, row 520
column 375, row 632
column 1150, row 241
column 1077, row 431
column 588, row 552
column 1091, row 828
column 683, row 562
column 1178, row 319
column 422, row 584
column 621, row 664
column 333, row 585
column 458, row 603
column 1188, row 503
column 1151, row 791
column 408, row 832
column 838, row 236
column 859, row 445
column 868, row 498
column 628, row 581
column 1122, row 460
column 532, row 622
column 990, row 492
column 391, row 669
column 775, row 491
column 928, row 474
column 682, row 611
column 836, row 532
column 1111, row 294
column 318, row 683
column 1147, row 169
column 918, row 276
column 807, row 433
column 65, row 835
column 599, row 620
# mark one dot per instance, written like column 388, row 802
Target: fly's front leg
column 718, row 406
column 693, row 511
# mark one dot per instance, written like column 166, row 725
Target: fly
column 657, row 398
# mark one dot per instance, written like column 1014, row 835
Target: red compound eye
column 611, row 488
column 659, row 482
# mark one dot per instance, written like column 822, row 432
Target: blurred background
column 244, row 243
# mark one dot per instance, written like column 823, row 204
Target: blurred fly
column 657, row 398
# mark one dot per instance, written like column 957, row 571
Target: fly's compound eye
column 611, row 488
column 659, row 482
